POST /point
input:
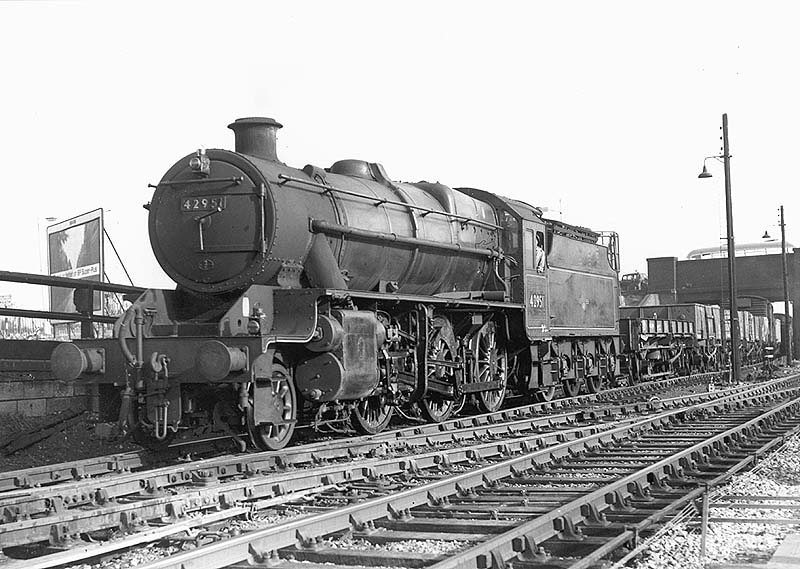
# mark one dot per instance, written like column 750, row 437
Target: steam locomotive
column 335, row 297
